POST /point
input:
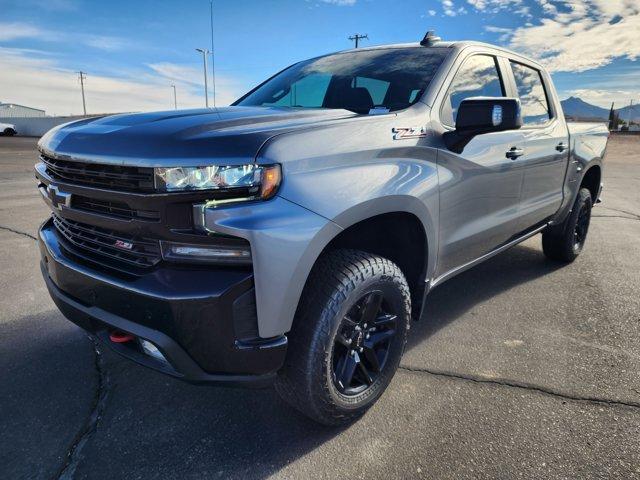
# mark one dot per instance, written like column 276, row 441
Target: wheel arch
column 409, row 238
column 591, row 180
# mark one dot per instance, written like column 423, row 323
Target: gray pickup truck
column 290, row 238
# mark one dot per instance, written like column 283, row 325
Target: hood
column 180, row 137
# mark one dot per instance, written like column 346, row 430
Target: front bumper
column 201, row 319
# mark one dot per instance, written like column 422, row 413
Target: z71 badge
column 124, row 245
column 402, row 133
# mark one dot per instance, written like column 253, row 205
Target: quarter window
column 535, row 107
column 478, row 77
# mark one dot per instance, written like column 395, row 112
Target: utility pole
column 175, row 101
column 357, row 37
column 82, row 77
column 204, row 53
column 612, row 118
column 213, row 64
column 629, row 116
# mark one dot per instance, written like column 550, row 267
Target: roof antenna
column 430, row 39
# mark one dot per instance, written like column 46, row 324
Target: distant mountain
column 578, row 108
column 635, row 113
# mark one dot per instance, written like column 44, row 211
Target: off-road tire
column 338, row 280
column 560, row 242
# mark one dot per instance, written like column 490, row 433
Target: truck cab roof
column 452, row 44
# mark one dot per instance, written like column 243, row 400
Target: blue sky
column 134, row 50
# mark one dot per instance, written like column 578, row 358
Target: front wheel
column 564, row 242
column 348, row 336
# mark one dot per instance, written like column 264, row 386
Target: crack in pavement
column 615, row 216
column 522, row 385
column 625, row 212
column 17, row 232
column 73, row 456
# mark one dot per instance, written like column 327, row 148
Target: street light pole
column 175, row 100
column 213, row 60
column 205, row 52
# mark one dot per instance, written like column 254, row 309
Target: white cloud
column 491, row 28
column 485, row 6
column 548, row 7
column 494, row 6
column 41, row 83
column 505, row 33
column 10, row 31
column 18, row 30
column 583, row 35
column 449, row 8
column 432, row 13
column 105, row 42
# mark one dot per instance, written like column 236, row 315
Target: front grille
column 113, row 177
column 112, row 209
column 100, row 246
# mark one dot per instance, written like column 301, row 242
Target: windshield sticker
column 378, row 111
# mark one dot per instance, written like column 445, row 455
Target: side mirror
column 478, row 115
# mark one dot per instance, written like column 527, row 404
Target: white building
column 13, row 110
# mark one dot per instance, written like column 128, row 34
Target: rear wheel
column 564, row 242
column 348, row 337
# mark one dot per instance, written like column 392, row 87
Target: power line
column 357, row 37
column 82, row 77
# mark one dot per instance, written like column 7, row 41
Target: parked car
column 292, row 237
column 8, row 129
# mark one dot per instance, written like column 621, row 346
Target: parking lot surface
column 520, row 368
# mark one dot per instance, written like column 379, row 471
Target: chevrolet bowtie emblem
column 58, row 198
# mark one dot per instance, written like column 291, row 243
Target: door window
column 477, row 77
column 533, row 99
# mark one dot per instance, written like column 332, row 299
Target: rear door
column 546, row 148
column 479, row 188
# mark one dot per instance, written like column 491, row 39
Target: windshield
column 367, row 82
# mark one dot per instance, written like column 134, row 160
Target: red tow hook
column 118, row 336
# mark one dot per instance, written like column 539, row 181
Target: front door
column 480, row 188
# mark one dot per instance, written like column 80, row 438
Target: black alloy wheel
column 564, row 242
column 361, row 345
column 582, row 227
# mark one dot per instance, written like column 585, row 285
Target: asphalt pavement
column 520, row 368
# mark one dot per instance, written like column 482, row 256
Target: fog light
column 217, row 254
column 151, row 350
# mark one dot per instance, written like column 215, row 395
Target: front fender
column 286, row 239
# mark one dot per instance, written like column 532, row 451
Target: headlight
column 247, row 181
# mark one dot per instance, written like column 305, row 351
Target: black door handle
column 514, row 152
column 561, row 147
